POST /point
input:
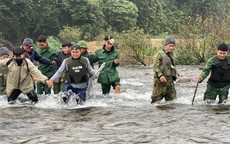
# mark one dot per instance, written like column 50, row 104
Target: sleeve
column 59, row 72
column 157, row 64
column 53, row 56
column 205, row 72
column 117, row 57
column 3, row 63
column 35, row 72
column 90, row 69
column 94, row 57
column 42, row 60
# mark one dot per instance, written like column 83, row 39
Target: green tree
column 70, row 34
column 151, row 16
column 29, row 18
column 87, row 15
column 119, row 14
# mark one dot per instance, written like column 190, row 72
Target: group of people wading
column 72, row 69
column 165, row 74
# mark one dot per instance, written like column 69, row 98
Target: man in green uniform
column 109, row 75
column 4, row 54
column 48, row 70
column 219, row 80
column 164, row 72
column 84, row 51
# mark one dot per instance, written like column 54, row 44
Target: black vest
column 76, row 70
column 220, row 73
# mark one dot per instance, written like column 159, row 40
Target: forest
column 199, row 25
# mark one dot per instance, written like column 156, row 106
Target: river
column 128, row 118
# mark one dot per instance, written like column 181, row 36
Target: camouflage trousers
column 163, row 90
column 212, row 92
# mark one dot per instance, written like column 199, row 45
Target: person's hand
column 163, row 79
column 52, row 62
column 49, row 83
column 116, row 61
column 57, row 81
column 199, row 79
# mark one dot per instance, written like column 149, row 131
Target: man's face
column 222, row 54
column 4, row 57
column 76, row 53
column 108, row 46
column 66, row 49
column 169, row 47
column 27, row 48
column 42, row 45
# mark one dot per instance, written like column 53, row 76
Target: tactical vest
column 76, row 70
column 167, row 67
column 220, row 74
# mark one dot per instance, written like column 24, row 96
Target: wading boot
column 118, row 89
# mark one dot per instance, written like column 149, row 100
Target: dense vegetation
column 199, row 24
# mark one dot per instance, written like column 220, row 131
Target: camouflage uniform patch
column 212, row 92
column 163, row 90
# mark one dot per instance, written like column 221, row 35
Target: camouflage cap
column 75, row 47
column 83, row 44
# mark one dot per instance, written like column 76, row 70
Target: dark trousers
column 81, row 92
column 14, row 95
column 106, row 87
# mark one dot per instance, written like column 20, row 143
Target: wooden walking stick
column 195, row 93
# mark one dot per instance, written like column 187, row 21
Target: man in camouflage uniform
column 219, row 80
column 4, row 54
column 164, row 72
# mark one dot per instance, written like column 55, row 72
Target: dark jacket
column 60, row 57
column 89, row 56
column 34, row 56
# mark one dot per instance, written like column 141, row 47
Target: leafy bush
column 70, row 34
column 54, row 42
column 201, row 37
column 135, row 45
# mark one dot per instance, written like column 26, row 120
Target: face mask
column 19, row 61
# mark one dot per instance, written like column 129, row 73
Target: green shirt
column 50, row 53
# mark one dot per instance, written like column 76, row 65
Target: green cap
column 82, row 44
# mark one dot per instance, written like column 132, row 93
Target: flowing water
column 128, row 118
